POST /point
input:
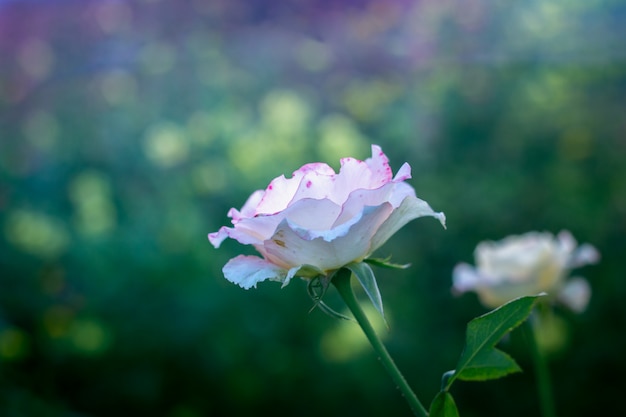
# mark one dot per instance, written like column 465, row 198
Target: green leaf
column 480, row 359
column 489, row 364
column 443, row 405
column 366, row 278
column 385, row 263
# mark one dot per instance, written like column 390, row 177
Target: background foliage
column 129, row 128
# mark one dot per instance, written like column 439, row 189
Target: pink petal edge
column 247, row 271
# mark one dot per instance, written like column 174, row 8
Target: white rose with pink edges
column 526, row 265
column 318, row 221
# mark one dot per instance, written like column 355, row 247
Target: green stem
column 341, row 280
column 544, row 387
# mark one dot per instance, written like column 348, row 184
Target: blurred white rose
column 525, row 265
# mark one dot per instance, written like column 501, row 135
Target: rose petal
column 404, row 173
column 411, row 208
column 249, row 207
column 300, row 214
column 281, row 191
column 316, row 185
column 319, row 181
column 464, row 278
column 393, row 193
column 305, row 271
column 517, row 258
column 333, row 233
column 379, row 166
column 277, row 195
column 576, row 294
column 255, row 230
column 216, row 238
column 327, row 250
column 354, row 174
column 247, row 271
column 585, row 254
column 238, row 233
column 566, row 241
column 313, row 214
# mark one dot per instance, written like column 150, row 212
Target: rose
column 318, row 221
column 526, row 265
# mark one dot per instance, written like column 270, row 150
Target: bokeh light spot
column 157, row 58
column 118, row 87
column 91, row 195
column 346, row 340
column 285, row 112
column 548, row 92
column 13, row 344
column 36, row 233
column 89, row 336
column 209, row 177
column 57, row 320
column 36, row 57
column 575, row 144
column 200, row 127
column 113, row 16
column 41, row 129
column 365, row 99
column 255, row 155
column 339, row 137
column 280, row 136
column 166, row 144
column 544, row 20
column 312, row 55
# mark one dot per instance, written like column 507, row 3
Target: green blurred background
column 129, row 128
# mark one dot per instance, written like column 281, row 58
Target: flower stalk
column 341, row 280
column 544, row 387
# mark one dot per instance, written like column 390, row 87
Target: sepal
column 367, row 279
column 316, row 288
column 385, row 263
